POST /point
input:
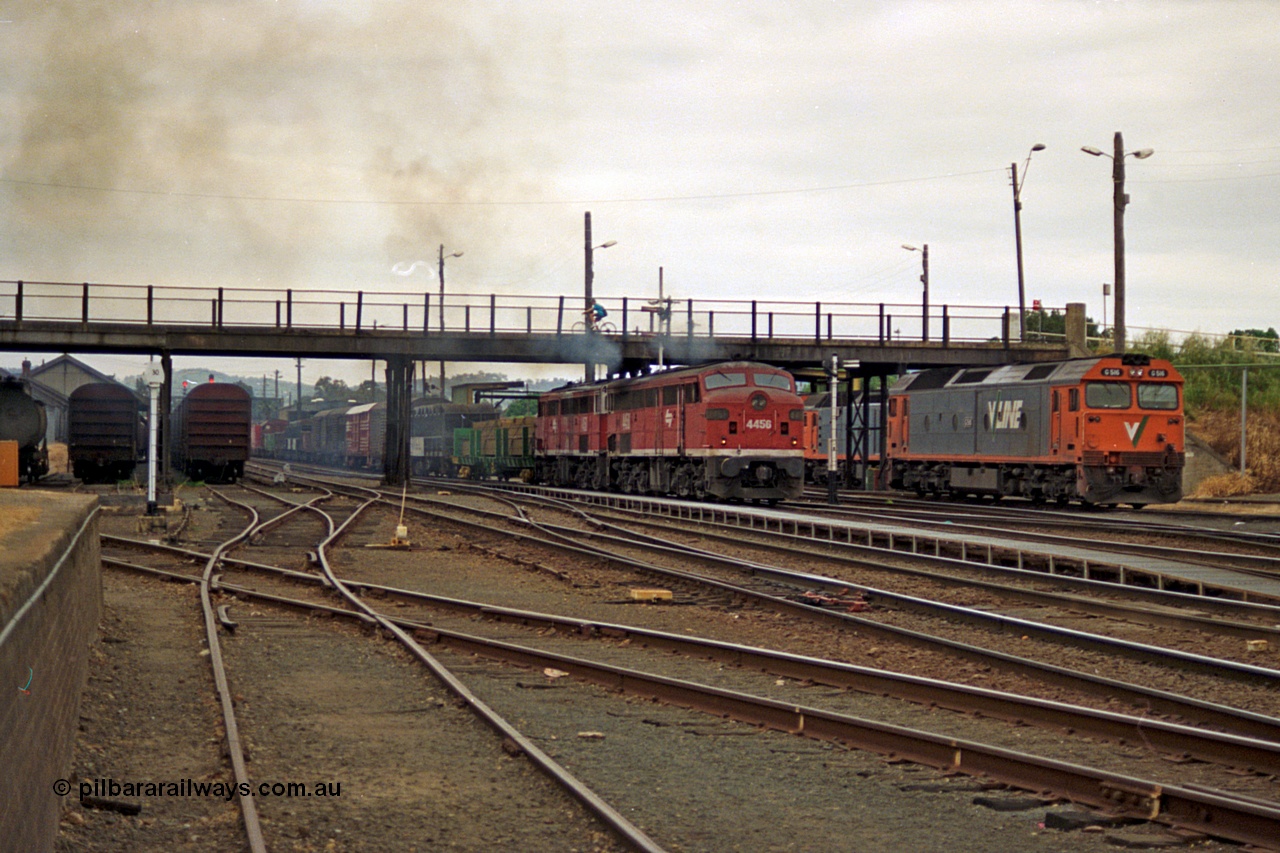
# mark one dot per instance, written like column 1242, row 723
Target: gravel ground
column 323, row 702
column 318, row 703
column 449, row 565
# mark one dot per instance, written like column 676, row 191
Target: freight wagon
column 105, row 429
column 211, row 432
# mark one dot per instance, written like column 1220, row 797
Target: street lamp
column 589, row 367
column 1119, row 202
column 442, row 257
column 924, row 279
column 1017, row 235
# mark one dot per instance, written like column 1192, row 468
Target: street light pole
column 924, row 279
column 1017, row 236
column 442, row 257
column 1119, row 201
column 589, row 367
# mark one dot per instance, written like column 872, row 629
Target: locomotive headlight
column 759, row 401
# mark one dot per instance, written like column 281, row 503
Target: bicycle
column 588, row 323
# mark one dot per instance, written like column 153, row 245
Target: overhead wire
column 491, row 203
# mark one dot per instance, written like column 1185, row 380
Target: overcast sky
column 752, row 149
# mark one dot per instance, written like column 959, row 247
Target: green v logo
column 1135, row 430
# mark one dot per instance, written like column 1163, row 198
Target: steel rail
column 1251, row 726
column 1096, row 607
column 1112, row 610
column 1219, row 814
column 863, row 504
column 1248, row 753
column 248, row 806
column 614, row 819
column 1244, row 630
column 1206, row 558
column 1079, row 639
column 1049, row 673
column 1125, row 573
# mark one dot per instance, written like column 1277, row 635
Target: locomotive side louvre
column 103, row 436
column 1074, row 429
column 212, row 432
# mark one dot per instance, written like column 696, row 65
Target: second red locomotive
column 728, row 431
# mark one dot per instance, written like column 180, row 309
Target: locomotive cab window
column 1073, row 400
column 1107, row 395
column 772, row 380
column 724, row 380
column 1157, row 395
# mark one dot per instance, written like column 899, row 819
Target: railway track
column 773, row 582
column 279, row 535
column 1233, row 623
column 490, row 524
column 1255, row 754
column 1197, row 529
column 816, row 722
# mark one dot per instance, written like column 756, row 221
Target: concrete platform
column 50, row 605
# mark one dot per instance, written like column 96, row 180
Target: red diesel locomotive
column 729, row 431
column 1101, row 430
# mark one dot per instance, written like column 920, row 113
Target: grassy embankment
column 1212, row 372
